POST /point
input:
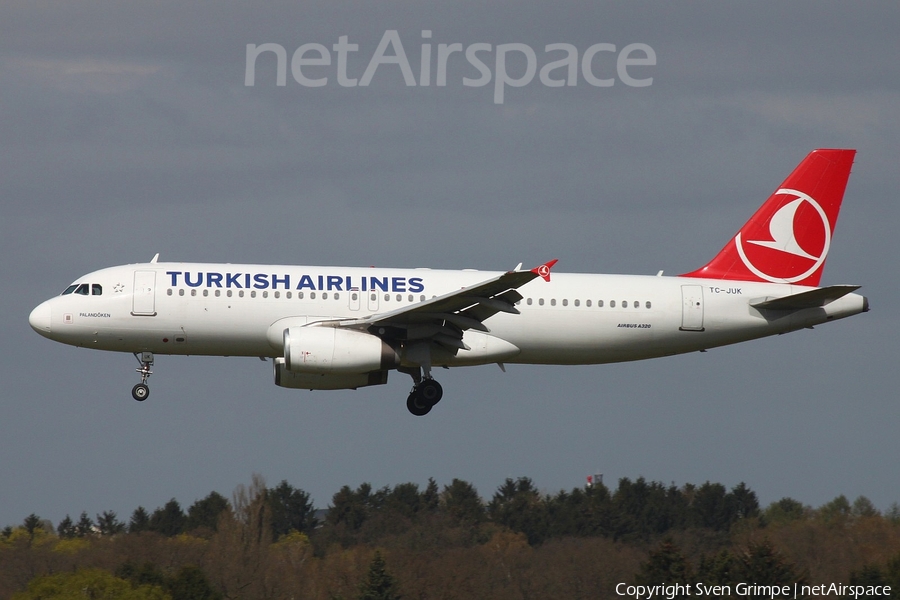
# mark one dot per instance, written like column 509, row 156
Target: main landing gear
column 423, row 397
column 426, row 391
column 142, row 390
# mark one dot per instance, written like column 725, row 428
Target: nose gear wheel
column 140, row 391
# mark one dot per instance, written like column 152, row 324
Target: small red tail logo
column 788, row 238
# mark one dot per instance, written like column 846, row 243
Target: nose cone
column 39, row 319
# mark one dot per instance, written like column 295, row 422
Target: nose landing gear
column 142, row 390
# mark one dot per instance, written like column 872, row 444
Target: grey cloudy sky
column 126, row 129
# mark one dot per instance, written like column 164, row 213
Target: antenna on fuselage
column 154, row 259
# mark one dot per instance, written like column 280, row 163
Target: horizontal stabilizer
column 810, row 299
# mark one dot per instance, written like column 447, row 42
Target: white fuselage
column 241, row 310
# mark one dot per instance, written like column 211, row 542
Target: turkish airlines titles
column 265, row 281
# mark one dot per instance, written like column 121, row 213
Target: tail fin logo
column 789, row 245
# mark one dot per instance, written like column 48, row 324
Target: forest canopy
column 407, row 541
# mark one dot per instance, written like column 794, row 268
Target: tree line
column 449, row 542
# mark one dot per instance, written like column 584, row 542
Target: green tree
column 87, row 583
column 350, row 508
column 518, row 505
column 85, row 526
column 168, row 520
column 140, row 520
column 665, row 565
column 742, row 503
column 204, row 514
column 462, row 503
column 863, row 507
column 404, row 500
column 837, row 511
column 291, row 509
column 720, row 569
column 641, row 510
column 709, row 507
column 108, row 524
column 431, row 497
column 762, row 564
column 379, row 584
column 190, row 583
column 784, row 510
column 32, row 524
column 66, row 528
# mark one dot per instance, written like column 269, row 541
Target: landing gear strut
column 142, row 390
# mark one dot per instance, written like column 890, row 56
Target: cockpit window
column 82, row 289
column 96, row 289
column 70, row 289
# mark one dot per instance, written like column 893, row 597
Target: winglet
column 544, row 270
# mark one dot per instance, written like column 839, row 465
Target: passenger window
column 612, row 303
column 410, row 297
column 299, row 295
column 553, row 302
column 565, row 302
column 312, row 295
column 82, row 289
column 169, row 291
column 422, row 298
column 528, row 302
column 194, row 292
column 69, row 290
column 387, row 297
column 228, row 293
column 637, row 304
column 337, row 296
column 181, row 292
column 324, row 295
column 241, row 294
column 648, row 304
column 577, row 303
column 277, row 294
column 587, row 302
column 253, row 294
column 354, row 296
column 205, row 293
column 541, row 301
column 218, row 293
column 624, row 303
column 96, row 289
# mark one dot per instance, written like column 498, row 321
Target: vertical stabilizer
column 788, row 239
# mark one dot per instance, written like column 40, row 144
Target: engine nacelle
column 326, row 381
column 335, row 350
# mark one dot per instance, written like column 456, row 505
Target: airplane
column 329, row 328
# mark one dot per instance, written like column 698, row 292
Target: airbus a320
column 329, row 328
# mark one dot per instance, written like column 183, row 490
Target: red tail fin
column 788, row 238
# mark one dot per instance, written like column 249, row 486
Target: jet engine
column 326, row 381
column 334, row 350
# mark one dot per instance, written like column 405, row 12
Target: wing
column 443, row 319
